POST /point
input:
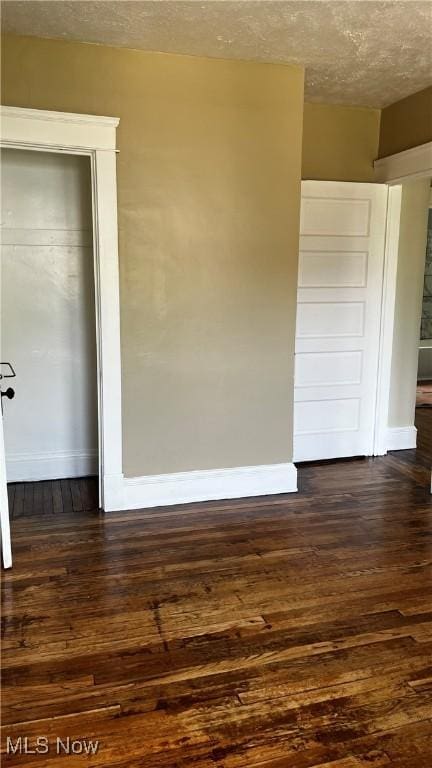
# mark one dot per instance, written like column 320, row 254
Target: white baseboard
column 113, row 489
column 401, row 438
column 122, row 493
column 208, row 485
column 23, row 467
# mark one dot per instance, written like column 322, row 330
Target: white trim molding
column 95, row 137
column 394, row 202
column 61, row 129
column 401, row 438
column 22, row 467
column 208, row 485
column 410, row 164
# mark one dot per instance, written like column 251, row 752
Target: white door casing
column 342, row 239
column 95, row 137
column 394, row 169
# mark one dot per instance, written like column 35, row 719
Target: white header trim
column 57, row 129
column 410, row 164
column 65, row 117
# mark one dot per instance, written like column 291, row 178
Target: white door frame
column 393, row 170
column 387, row 320
column 94, row 137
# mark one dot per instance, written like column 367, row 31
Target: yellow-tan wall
column 339, row 143
column 208, row 195
column 406, row 123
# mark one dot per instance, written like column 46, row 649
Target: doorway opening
column 406, row 352
column 423, row 409
column 49, row 351
column 92, row 137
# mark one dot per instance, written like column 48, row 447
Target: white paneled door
column 342, row 239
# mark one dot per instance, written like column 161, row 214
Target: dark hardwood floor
column 275, row 632
column 52, row 497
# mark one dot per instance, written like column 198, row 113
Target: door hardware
column 9, row 393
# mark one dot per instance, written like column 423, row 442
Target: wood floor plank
column 38, row 500
column 57, row 499
column 11, row 496
column 76, row 495
column 18, row 507
column 88, row 490
column 28, row 498
column 292, row 631
column 47, row 497
column 66, row 496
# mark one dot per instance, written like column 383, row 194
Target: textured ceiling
column 355, row 52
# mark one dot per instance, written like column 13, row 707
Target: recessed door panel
column 332, row 269
column 328, row 369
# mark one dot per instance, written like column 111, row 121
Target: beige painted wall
column 409, row 292
column 406, row 123
column 339, row 143
column 208, row 193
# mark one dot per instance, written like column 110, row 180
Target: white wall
column 47, row 315
column 409, row 292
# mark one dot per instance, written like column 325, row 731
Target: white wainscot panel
column 339, row 269
column 331, row 415
column 321, row 319
column 328, row 368
column 334, row 216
